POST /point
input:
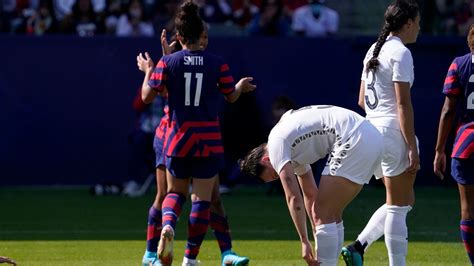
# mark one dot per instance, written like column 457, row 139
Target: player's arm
column 406, row 116
column 362, row 95
column 296, row 206
column 448, row 113
column 310, row 192
column 146, row 65
column 243, row 86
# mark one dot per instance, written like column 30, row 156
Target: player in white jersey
column 386, row 80
column 303, row 137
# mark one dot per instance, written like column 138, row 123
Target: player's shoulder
column 213, row 56
column 463, row 59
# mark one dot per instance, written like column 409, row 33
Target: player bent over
column 302, row 137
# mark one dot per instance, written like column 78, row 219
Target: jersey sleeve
column 226, row 81
column 403, row 66
column 452, row 87
column 279, row 153
column 159, row 76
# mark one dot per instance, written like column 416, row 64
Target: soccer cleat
column 189, row 262
column 150, row 259
column 351, row 256
column 229, row 258
column 165, row 248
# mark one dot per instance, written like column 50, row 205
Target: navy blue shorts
column 462, row 171
column 159, row 155
column 195, row 167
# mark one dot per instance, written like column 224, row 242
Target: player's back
column 312, row 131
column 193, row 85
column 395, row 64
column 460, row 84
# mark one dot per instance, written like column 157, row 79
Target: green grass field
column 67, row 226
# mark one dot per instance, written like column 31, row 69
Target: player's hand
column 245, row 85
column 439, row 164
column 7, row 260
column 308, row 254
column 145, row 63
column 165, row 46
column 414, row 159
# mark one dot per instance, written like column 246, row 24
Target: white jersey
column 395, row 64
column 308, row 134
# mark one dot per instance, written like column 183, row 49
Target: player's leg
column 462, row 171
column 466, row 193
column 400, row 199
column 177, row 177
column 155, row 218
column 328, row 209
column 353, row 253
column 199, row 217
column 220, row 226
column 363, row 159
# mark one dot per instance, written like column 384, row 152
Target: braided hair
column 396, row 16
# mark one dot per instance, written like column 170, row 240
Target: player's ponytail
column 396, row 15
column 188, row 23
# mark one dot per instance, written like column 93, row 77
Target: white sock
column 374, row 228
column 188, row 262
column 340, row 235
column 396, row 234
column 327, row 244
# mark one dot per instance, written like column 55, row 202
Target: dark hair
column 283, row 102
column 188, row 23
column 396, row 15
column 251, row 165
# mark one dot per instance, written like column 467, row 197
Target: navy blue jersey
column 195, row 80
column 459, row 83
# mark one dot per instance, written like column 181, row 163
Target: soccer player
column 193, row 146
column 459, row 91
column 301, row 138
column 218, row 218
column 386, row 80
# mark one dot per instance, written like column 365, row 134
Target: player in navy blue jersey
column 459, row 91
column 193, row 80
column 218, row 221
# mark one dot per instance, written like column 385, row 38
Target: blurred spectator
column 289, row 6
column 215, row 11
column 17, row 12
column 62, row 8
column 315, row 20
column 244, row 11
column 270, row 20
column 112, row 15
column 447, row 14
column 43, row 20
column 5, row 16
column 464, row 17
column 162, row 17
column 132, row 23
column 83, row 20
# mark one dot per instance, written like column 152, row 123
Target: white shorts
column 358, row 157
column 395, row 157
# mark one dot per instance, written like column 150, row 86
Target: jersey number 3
column 370, row 87
column 187, row 92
